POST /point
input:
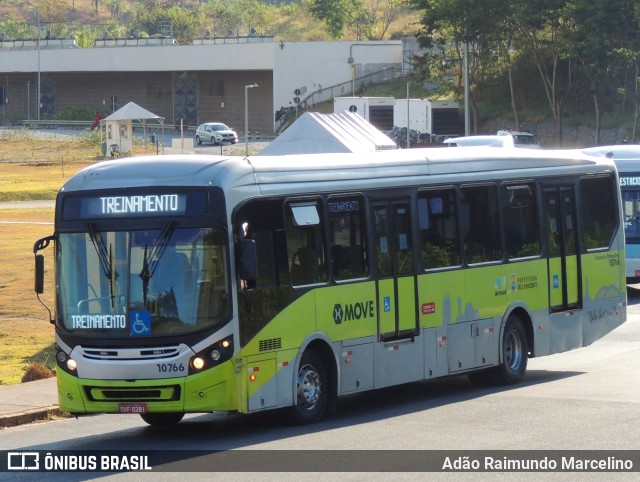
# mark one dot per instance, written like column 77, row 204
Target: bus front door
column 396, row 282
column 565, row 291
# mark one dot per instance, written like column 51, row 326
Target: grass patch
column 23, row 343
column 35, row 169
column 30, row 169
column 26, row 336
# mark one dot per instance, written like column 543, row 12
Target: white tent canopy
column 132, row 111
column 316, row 133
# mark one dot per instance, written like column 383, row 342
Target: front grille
column 131, row 353
column 168, row 393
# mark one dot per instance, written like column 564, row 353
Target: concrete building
column 202, row 82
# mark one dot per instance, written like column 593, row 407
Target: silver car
column 215, row 133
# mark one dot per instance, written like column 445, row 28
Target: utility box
column 119, row 136
column 434, row 117
column 378, row 111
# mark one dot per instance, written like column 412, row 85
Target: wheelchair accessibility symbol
column 140, row 323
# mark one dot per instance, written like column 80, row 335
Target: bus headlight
column 212, row 356
column 197, row 363
column 66, row 363
column 71, row 365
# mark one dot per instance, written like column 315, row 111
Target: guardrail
column 78, row 124
column 54, row 124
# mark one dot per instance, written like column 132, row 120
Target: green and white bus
column 191, row 284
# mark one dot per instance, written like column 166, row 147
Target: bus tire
column 162, row 419
column 514, row 353
column 312, row 389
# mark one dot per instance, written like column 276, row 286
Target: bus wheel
column 312, row 389
column 163, row 419
column 514, row 353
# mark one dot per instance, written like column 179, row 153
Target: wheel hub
column 309, row 387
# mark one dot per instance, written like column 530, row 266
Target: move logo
column 352, row 311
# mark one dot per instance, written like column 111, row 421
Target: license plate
column 132, row 407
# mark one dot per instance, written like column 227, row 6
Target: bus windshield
column 631, row 206
column 121, row 284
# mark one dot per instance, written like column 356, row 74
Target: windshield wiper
column 152, row 256
column 106, row 259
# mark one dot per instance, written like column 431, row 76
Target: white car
column 477, row 141
column 215, row 133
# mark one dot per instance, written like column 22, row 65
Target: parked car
column 215, row 133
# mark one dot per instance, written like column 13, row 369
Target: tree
column 51, row 10
column 603, row 28
column 185, row 23
column 385, row 12
column 336, row 14
column 546, row 25
column 448, row 27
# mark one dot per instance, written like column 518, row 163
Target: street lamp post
column 467, row 113
column 246, row 117
column 38, row 28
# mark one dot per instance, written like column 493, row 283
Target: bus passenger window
column 347, row 237
column 262, row 220
column 520, row 220
column 480, row 224
column 305, row 245
column 438, row 228
column 598, row 199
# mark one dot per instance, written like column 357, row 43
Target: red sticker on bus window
column 428, row 308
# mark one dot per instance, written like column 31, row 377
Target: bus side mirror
column 39, row 285
column 248, row 260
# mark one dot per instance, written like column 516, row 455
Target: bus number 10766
column 170, row 367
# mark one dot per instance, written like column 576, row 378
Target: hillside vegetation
column 575, row 62
column 185, row 20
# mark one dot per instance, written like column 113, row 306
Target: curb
column 29, row 416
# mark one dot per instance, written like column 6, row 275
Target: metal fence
column 345, row 89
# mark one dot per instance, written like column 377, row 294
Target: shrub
column 37, row 371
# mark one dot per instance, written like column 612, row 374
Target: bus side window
column 347, row 238
column 262, row 219
column 438, row 228
column 305, row 244
column 520, row 220
column 480, row 224
column 601, row 213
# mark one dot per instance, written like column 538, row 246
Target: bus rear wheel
column 514, row 353
column 312, row 389
column 163, row 419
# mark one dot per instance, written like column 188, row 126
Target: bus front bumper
column 209, row 391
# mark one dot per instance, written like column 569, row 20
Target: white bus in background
column 521, row 138
column 477, row 141
column 627, row 160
